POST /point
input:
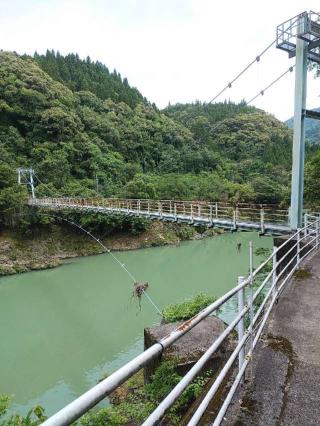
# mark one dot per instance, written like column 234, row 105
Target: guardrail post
column 305, row 219
column 210, row 217
column 216, row 210
column 274, row 274
column 191, row 211
column 298, row 246
column 170, row 207
column 241, row 322
column 199, row 210
column 251, row 303
column 317, row 233
column 139, row 207
column 148, row 206
column 175, row 211
column 161, row 209
column 262, row 220
column 234, row 218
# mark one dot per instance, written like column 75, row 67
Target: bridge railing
column 267, row 281
column 208, row 213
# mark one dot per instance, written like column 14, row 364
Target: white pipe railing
column 300, row 245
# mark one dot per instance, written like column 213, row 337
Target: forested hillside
column 90, row 76
column 312, row 129
column 75, row 123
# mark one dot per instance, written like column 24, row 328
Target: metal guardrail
column 278, row 271
column 261, row 217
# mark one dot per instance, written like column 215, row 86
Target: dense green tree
column 86, row 132
column 312, row 180
column 87, row 75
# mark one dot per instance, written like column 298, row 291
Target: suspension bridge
column 264, row 218
column 300, row 38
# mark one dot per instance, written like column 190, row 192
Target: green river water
column 62, row 329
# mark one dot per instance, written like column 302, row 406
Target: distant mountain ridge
column 312, row 128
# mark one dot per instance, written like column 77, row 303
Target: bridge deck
column 286, row 385
column 261, row 219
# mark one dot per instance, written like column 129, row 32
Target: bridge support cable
column 28, row 175
column 255, row 60
column 107, row 250
column 263, row 91
column 287, row 27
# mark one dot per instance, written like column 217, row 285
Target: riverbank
column 49, row 247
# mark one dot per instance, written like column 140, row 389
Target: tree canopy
column 85, row 129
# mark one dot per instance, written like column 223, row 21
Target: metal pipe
column 159, row 412
column 298, row 246
column 274, row 269
column 81, row 405
column 241, row 322
column 240, row 374
column 262, row 220
column 251, row 296
column 213, row 390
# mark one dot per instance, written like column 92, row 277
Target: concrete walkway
column 285, row 389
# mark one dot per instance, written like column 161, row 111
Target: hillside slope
column 312, row 128
column 74, row 138
column 88, row 75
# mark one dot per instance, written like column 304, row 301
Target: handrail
column 262, row 217
column 305, row 240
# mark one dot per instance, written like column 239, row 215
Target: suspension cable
column 262, row 92
column 106, row 249
column 122, row 265
column 56, row 192
column 256, row 59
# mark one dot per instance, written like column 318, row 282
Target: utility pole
column 300, row 37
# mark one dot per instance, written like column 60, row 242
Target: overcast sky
column 171, row 50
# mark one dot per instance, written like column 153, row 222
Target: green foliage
column 102, row 225
column 312, row 128
column 262, row 251
column 141, row 399
column 87, row 75
column 34, row 417
column 88, row 133
column 102, row 417
column 312, row 180
column 188, row 308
